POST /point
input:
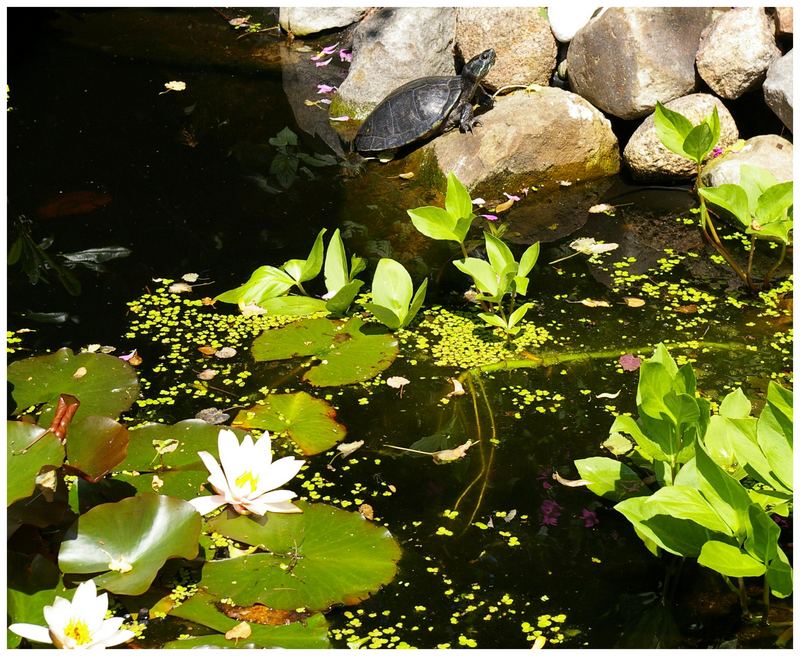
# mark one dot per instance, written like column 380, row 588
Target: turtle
column 425, row 107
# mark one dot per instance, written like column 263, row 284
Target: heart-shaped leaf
column 310, row 422
column 28, row 448
column 348, row 354
column 130, row 540
column 317, row 558
column 105, row 385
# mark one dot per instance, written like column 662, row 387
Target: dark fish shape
column 73, row 203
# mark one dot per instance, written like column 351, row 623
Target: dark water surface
column 185, row 173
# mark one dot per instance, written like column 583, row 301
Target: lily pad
column 28, row 449
column 312, row 633
column 105, row 385
column 310, row 422
column 318, row 558
column 161, row 447
column 130, row 540
column 347, row 353
column 183, row 484
column 95, row 445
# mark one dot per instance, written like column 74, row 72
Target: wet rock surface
column 531, row 138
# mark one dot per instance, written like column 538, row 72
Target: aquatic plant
column 394, row 301
column 340, row 280
column 700, row 509
column 761, row 206
column 764, row 208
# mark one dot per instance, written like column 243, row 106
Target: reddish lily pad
column 95, row 445
column 105, row 385
column 310, row 422
column 317, row 558
column 347, row 352
column 312, row 633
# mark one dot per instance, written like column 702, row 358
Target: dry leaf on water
column 207, row 374
column 239, row 632
column 260, row 614
column 225, row 352
column 440, row 457
column 348, row 447
column 601, row 208
column 568, row 483
column 207, row 350
column 607, row 395
column 406, row 176
column 179, row 288
column 190, row 277
column 632, row 301
column 505, row 205
column 458, row 388
column 366, row 511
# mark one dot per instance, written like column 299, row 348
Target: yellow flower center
column 247, row 477
column 78, row 631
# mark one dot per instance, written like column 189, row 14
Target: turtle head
column 477, row 67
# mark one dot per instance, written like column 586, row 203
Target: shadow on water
column 187, row 174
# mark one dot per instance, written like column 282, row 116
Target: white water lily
column 77, row 624
column 246, row 478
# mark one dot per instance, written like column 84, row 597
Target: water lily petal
column 110, row 634
column 277, row 496
column 94, row 611
column 280, row 472
column 262, row 452
column 57, row 614
column 217, row 476
column 229, row 457
column 32, row 632
column 205, row 505
column 283, row 507
column 85, row 594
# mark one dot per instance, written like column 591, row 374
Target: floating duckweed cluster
column 453, row 339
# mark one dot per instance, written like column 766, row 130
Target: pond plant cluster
column 213, row 487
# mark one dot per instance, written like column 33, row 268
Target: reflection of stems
column 488, row 467
column 294, row 371
column 767, row 277
column 479, row 439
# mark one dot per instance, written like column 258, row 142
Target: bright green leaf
column 729, row 560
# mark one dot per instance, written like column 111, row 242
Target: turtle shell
column 413, row 111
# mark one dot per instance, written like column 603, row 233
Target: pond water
column 493, row 549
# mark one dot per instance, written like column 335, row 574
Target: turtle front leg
column 484, row 98
column 467, row 119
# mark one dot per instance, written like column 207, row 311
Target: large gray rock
column 393, row 46
column 626, row 59
column 648, row 159
column 736, row 50
column 530, row 138
column 301, row 21
column 521, row 37
column 778, row 88
column 769, row 151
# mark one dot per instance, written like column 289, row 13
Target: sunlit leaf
column 347, row 353
column 28, row 448
column 143, row 531
column 108, row 388
column 311, row 423
column 317, row 558
column 95, row 446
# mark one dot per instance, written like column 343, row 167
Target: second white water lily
column 246, row 478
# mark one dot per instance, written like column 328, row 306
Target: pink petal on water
column 511, row 196
column 329, row 50
column 325, row 88
column 127, row 357
column 323, row 63
column 338, row 118
column 345, row 55
column 629, row 362
column 489, row 217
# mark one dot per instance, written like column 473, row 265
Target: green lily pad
column 28, row 449
column 310, row 422
column 347, row 353
column 151, row 446
column 312, row 633
column 183, row 484
column 318, row 558
column 130, row 540
column 95, row 445
column 105, row 385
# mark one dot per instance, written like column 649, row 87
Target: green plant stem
column 730, row 585
column 751, row 253
column 743, row 597
column 765, row 616
column 713, row 238
column 765, row 282
column 300, row 287
column 463, row 250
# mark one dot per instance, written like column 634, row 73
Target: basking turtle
column 425, row 107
